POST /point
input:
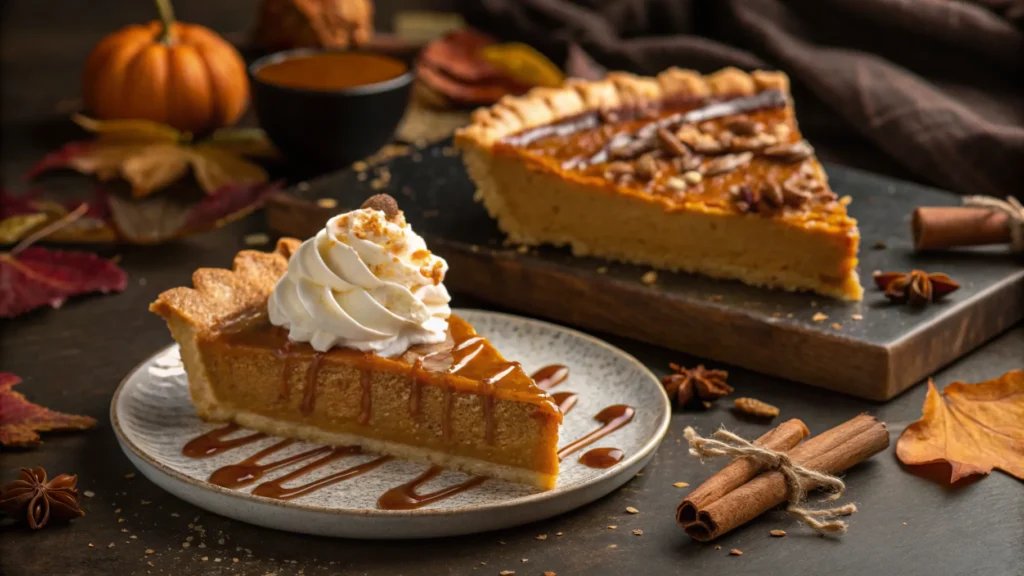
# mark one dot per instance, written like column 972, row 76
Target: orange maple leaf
column 973, row 427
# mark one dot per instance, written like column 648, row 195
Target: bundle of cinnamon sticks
column 744, row 489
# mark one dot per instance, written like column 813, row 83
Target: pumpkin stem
column 167, row 18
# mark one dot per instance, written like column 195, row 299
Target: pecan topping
column 789, row 153
column 705, row 144
column 771, row 195
column 755, row 407
column 688, row 134
column 743, row 126
column 696, row 384
column 671, row 144
column 37, row 500
column 675, row 184
column 383, row 202
column 707, row 127
column 916, row 287
column 688, row 164
column 692, row 177
column 646, row 167
column 727, row 163
column 625, row 147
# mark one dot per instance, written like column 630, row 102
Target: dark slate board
column 889, row 349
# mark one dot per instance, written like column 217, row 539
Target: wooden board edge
column 924, row 352
column 701, row 329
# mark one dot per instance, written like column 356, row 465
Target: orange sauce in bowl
column 331, row 70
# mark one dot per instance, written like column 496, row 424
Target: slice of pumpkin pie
column 705, row 174
column 348, row 339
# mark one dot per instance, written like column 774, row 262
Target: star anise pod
column 31, row 495
column 916, row 287
column 696, row 384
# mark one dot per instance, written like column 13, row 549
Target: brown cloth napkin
column 926, row 89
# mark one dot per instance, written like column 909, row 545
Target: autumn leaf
column 973, row 427
column 24, row 214
column 32, row 277
column 21, row 420
column 151, row 156
column 524, row 64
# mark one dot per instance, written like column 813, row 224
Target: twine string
column 825, row 520
column 1011, row 207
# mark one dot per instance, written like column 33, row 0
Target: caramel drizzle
column 367, row 398
column 405, row 497
column 212, row 443
column 611, row 418
column 488, row 399
column 764, row 100
column 285, row 355
column 276, row 489
column 550, row 376
column 565, row 400
column 250, row 470
column 602, row 457
column 309, row 398
column 416, row 372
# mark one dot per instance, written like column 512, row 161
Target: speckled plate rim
column 641, row 456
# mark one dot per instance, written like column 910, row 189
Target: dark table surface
column 73, row 358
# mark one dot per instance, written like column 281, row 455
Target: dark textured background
column 73, row 358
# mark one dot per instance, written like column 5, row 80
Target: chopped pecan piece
column 755, row 407
column 646, row 167
column 688, row 164
column 789, row 153
column 743, row 126
column 727, row 163
column 705, row 144
column 672, row 145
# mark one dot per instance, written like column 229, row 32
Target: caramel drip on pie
column 284, row 353
column 487, row 386
column 565, row 400
column 611, row 418
column 309, row 398
column 276, row 488
column 446, row 413
column 213, row 443
column 251, row 469
column 414, row 390
column 602, row 457
column 367, row 397
column 550, row 376
column 405, row 497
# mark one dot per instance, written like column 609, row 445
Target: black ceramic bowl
column 325, row 130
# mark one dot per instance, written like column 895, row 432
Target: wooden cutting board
column 871, row 349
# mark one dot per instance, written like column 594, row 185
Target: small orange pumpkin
column 182, row 75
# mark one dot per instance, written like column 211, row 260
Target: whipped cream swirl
column 366, row 281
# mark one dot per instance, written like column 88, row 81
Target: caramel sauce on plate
column 602, row 457
column 331, row 70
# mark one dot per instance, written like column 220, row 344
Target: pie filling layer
column 460, row 399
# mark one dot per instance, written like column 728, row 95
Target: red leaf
column 60, row 159
column 38, row 276
column 11, row 205
column 20, row 420
column 229, row 202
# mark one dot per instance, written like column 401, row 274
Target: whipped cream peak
column 366, row 281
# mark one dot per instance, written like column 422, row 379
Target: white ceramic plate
column 153, row 419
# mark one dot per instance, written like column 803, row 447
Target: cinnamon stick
column 830, row 452
column 739, row 471
column 940, row 227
